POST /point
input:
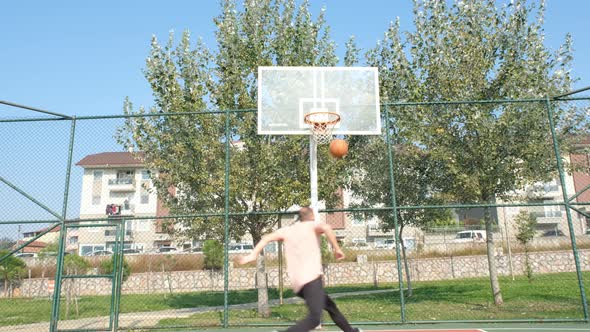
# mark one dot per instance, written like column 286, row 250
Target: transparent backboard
column 286, row 94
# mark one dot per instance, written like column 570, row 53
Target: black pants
column 317, row 300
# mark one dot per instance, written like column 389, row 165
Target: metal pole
column 395, row 223
column 280, row 253
column 62, row 236
column 226, row 223
column 121, row 273
column 313, row 175
column 567, row 209
column 114, row 276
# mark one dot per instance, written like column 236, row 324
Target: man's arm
column 327, row 230
column 266, row 239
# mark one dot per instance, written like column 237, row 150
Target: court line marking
column 537, row 328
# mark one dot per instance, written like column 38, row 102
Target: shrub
column 213, row 251
column 106, row 267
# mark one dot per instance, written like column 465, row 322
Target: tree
column 213, row 252
column 6, row 243
column 73, row 265
column 107, row 265
column 188, row 152
column 472, row 50
column 525, row 232
column 12, row 269
column 417, row 176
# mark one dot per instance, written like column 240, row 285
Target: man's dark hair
column 306, row 213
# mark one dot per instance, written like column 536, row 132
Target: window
column 125, row 174
column 126, row 245
column 87, row 249
column 145, row 174
column 358, row 222
column 73, row 240
column 96, row 187
column 552, row 210
column 144, row 197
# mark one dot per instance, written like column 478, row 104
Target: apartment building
column 116, row 185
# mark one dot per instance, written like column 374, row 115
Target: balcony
column 548, row 217
column 376, row 230
column 113, row 233
column 122, row 185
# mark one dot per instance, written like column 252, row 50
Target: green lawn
column 549, row 296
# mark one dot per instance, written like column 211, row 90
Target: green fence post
column 395, row 224
column 120, row 245
column 226, row 224
column 114, row 278
column 567, row 209
column 62, row 235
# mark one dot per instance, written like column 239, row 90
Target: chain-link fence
column 454, row 197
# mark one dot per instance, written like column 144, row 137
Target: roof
column 38, row 244
column 111, row 159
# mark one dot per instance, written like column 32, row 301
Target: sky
column 84, row 57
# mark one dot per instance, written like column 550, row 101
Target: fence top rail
column 563, row 97
column 34, row 109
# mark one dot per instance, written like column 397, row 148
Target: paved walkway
column 151, row 318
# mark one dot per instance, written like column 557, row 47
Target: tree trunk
column 263, row 308
column 497, row 293
column 409, row 292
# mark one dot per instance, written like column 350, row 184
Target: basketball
column 338, row 148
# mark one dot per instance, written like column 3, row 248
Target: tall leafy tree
column 474, row 50
column 417, row 176
column 188, row 152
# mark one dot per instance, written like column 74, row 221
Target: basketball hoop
column 321, row 125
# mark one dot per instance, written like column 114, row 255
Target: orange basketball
column 338, row 148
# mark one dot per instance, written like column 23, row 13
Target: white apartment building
column 117, row 185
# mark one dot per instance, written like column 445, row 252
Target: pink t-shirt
column 302, row 250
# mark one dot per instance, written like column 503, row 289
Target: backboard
column 286, row 94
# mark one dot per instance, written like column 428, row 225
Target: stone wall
column 334, row 274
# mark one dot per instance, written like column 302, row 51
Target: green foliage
column 6, row 243
column 214, row 255
column 525, row 227
column 327, row 255
column 189, row 151
column 12, row 268
column 49, row 251
column 473, row 50
column 74, row 264
column 106, row 267
column 525, row 231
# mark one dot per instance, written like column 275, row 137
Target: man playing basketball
column 304, row 265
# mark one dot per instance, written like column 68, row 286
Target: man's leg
column 314, row 296
column 336, row 315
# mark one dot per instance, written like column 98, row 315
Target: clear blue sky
column 84, row 57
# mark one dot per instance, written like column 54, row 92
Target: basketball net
column 321, row 125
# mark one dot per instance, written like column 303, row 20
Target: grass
column 548, row 296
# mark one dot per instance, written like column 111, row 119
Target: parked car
column 166, row 249
column 470, row 236
column 131, row 251
column 553, row 232
column 25, row 255
column 240, row 247
column 360, row 246
column 193, row 250
column 101, row 253
column 387, row 244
